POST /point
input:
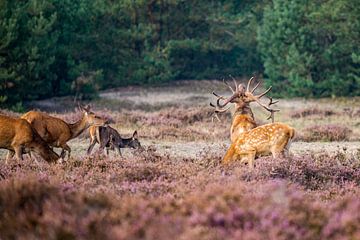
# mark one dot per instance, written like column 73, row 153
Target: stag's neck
column 78, row 127
column 243, row 110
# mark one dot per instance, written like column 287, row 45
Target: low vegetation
column 177, row 187
column 154, row 196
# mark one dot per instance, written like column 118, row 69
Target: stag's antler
column 217, row 110
column 220, row 108
column 256, row 98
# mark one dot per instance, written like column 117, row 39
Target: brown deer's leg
column 18, row 153
column 65, row 147
column 9, row 156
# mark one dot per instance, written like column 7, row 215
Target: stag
column 247, row 139
column 110, row 138
column 57, row 132
column 17, row 136
column 243, row 117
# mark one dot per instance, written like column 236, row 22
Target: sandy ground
column 199, row 148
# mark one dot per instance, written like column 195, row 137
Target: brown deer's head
column 91, row 118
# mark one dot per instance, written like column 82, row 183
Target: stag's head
column 242, row 97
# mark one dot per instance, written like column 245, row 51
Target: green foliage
column 311, row 47
column 45, row 46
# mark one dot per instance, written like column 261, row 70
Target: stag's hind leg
column 281, row 149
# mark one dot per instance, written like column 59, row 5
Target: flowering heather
column 326, row 132
column 312, row 111
column 155, row 196
column 177, row 188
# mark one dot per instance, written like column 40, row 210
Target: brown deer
column 57, row 132
column 247, row 140
column 110, row 138
column 19, row 137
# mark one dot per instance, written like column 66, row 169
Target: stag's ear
column 135, row 134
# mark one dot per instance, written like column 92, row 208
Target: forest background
column 67, row 47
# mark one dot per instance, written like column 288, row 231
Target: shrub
column 312, row 111
column 328, row 132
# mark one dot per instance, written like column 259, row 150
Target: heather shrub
column 329, row 132
column 322, row 172
column 312, row 111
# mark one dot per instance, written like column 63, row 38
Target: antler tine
column 256, row 86
column 236, row 85
column 262, row 94
column 217, row 117
column 249, row 83
column 226, row 83
column 217, row 110
column 272, row 115
column 218, row 96
column 271, row 101
column 272, row 111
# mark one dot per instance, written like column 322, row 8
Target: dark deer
column 109, row 138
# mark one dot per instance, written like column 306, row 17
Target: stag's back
column 51, row 129
column 266, row 138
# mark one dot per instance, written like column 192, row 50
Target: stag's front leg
column 247, row 155
column 251, row 159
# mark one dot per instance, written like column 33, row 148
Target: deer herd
column 40, row 133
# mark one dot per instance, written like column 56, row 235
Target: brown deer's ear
column 135, row 134
column 85, row 109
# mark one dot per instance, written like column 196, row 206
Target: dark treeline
column 60, row 47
